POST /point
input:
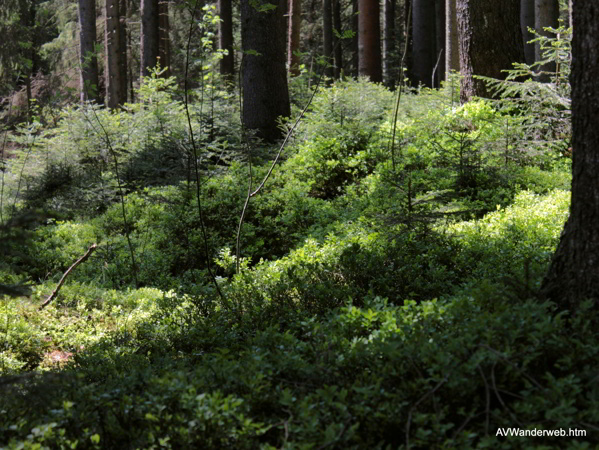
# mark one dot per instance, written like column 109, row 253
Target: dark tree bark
column 574, row 272
column 87, row 51
column 440, row 42
column 327, row 36
column 149, row 36
column 338, row 48
column 265, row 92
column 423, row 47
column 112, row 38
column 490, row 41
column 355, row 44
column 164, row 40
column 369, row 40
column 546, row 15
column 527, row 20
column 452, row 47
column 293, row 36
column 225, row 38
column 123, row 71
column 389, row 48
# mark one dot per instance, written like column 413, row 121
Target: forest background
column 294, row 224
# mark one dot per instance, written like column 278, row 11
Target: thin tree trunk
column 389, row 60
column 112, row 47
column 149, row 36
column 369, row 42
column 338, row 48
column 527, row 20
column 355, row 40
column 490, row 42
column 123, row 51
column 164, row 40
column 452, row 47
column 546, row 15
column 225, row 38
column 293, row 37
column 574, row 272
column 327, row 34
column 423, row 19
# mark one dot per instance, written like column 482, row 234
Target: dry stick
column 66, row 274
column 396, row 112
column 435, row 70
column 195, row 153
column 274, row 163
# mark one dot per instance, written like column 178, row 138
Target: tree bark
column 574, row 272
column 452, row 47
column 327, row 36
column 112, row 37
column 369, row 40
column 293, row 36
column 546, row 15
column 355, row 44
column 225, row 39
column 149, row 36
column 87, row 51
column 423, row 50
column 440, row 42
column 123, row 62
column 338, row 48
column 527, row 20
column 265, row 92
column 490, row 42
column 389, row 60
column 164, row 40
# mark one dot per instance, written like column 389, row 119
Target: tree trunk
column 546, row 15
column 527, row 20
column 123, row 51
column 490, row 41
column 452, row 47
column 574, row 272
column 355, row 40
column 389, row 49
column 293, row 37
column 423, row 47
column 327, row 33
column 338, row 48
column 265, row 92
column 225, row 38
column 369, row 40
column 164, row 40
column 87, row 41
column 149, row 36
column 440, row 42
column 112, row 39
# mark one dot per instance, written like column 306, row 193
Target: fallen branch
column 66, row 274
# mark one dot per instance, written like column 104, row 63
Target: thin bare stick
column 435, row 70
column 54, row 293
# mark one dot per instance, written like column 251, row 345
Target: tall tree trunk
column 327, row 34
column 423, row 47
column 149, row 36
column 452, row 46
column 546, row 15
column 293, row 36
column 265, row 92
column 440, row 42
column 87, row 51
column 574, row 272
column 527, row 20
column 490, row 41
column 389, row 48
column 338, row 48
column 164, row 40
column 369, row 40
column 355, row 44
column 123, row 51
column 225, row 38
column 112, row 39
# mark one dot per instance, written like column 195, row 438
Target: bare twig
column 54, row 293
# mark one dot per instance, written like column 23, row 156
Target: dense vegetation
column 381, row 291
